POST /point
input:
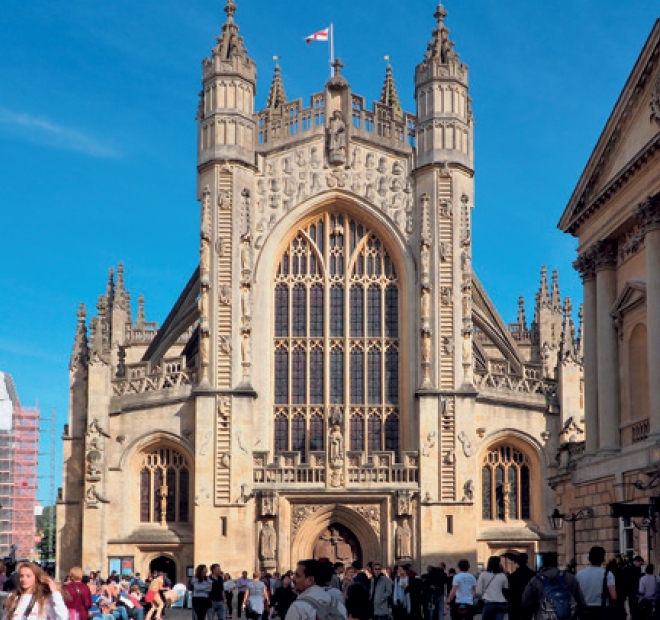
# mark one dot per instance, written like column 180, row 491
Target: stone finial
column 110, row 288
column 389, row 95
column 555, row 297
column 579, row 340
column 522, row 320
column 440, row 48
column 230, row 43
column 80, row 355
column 276, row 95
column 544, row 296
column 140, row 313
column 567, row 338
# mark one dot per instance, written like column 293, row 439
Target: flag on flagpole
column 321, row 35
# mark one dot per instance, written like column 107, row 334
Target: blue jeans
column 120, row 613
column 219, row 609
column 494, row 611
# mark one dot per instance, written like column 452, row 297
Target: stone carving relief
column 268, row 503
column 95, row 449
column 292, row 178
column 404, row 503
column 468, row 448
column 299, row 515
column 403, row 540
column 371, row 514
column 224, row 295
column 93, row 497
column 468, row 491
column 204, row 444
column 429, row 444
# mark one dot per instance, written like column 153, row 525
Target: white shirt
column 464, row 583
column 55, row 608
column 490, row 586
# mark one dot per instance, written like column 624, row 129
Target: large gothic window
column 505, row 484
column 336, row 338
column 164, row 487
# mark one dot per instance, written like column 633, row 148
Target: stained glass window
column 506, row 484
column 357, row 433
column 164, row 478
column 348, row 351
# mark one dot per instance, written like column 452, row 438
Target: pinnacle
column 230, row 43
column 389, row 95
column 230, row 9
column 276, row 95
column 440, row 47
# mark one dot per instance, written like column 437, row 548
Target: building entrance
column 164, row 564
column 337, row 543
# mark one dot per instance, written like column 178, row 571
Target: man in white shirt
column 591, row 580
column 309, row 576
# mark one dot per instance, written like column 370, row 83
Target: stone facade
column 615, row 214
column 334, row 379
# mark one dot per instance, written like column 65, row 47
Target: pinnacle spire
column 567, row 339
column 440, row 47
column 555, row 297
column 230, row 43
column 543, row 290
column 389, row 95
column 522, row 321
column 80, row 353
column 276, row 95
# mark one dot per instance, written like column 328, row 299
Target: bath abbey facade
column 333, row 380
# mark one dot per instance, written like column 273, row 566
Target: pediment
column 487, row 318
column 631, row 134
column 632, row 295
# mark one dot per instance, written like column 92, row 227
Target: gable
column 632, row 295
column 631, row 134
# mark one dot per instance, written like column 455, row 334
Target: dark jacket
column 518, row 581
column 282, row 600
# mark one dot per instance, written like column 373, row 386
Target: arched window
column 505, row 484
column 164, row 487
column 336, row 338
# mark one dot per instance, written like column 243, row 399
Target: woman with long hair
column 76, row 594
column 36, row 597
column 201, row 588
column 490, row 587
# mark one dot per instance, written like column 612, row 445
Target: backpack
column 557, row 602
column 323, row 611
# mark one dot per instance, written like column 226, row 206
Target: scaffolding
column 47, row 434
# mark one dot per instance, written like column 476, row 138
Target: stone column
column 609, row 417
column 585, row 265
column 648, row 215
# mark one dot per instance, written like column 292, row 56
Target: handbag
column 481, row 602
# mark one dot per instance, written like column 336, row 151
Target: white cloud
column 42, row 131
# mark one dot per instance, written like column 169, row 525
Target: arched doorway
column 164, row 564
column 337, row 543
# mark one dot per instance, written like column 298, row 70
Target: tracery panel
column 505, row 484
column 336, row 332
column 164, row 487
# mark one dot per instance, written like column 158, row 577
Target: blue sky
column 98, row 139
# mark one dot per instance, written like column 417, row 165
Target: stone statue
column 245, row 306
column 267, row 541
column 337, row 139
column 336, row 446
column 425, row 264
column 246, row 256
column 403, row 540
column 426, row 305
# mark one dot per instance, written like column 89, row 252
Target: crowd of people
column 321, row 590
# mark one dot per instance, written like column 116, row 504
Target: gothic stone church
column 333, row 380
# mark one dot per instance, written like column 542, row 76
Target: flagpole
column 332, row 49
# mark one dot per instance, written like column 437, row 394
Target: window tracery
column 336, row 337
column 505, row 484
column 164, row 487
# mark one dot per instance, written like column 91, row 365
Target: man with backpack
column 553, row 594
column 314, row 602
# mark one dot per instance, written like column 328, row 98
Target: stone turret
column 444, row 114
column 548, row 319
column 227, row 128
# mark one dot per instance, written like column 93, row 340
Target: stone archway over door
column 367, row 534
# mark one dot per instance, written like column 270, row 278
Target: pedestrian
column 230, row 586
column 309, row 576
column 534, row 592
column 76, row 594
column 399, row 599
column 201, row 588
column 463, row 590
column 647, row 585
column 630, row 576
column 518, row 581
column 282, row 599
column 153, row 597
column 490, row 587
column 358, row 606
column 241, row 584
column 380, row 593
column 256, row 598
column 598, row 586
column 217, row 596
column 36, row 597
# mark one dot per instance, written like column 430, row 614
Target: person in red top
column 76, row 594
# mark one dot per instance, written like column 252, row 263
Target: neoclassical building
column 333, row 380
column 615, row 214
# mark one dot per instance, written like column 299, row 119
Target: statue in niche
column 355, row 160
column 315, row 159
column 267, row 541
column 300, row 159
column 337, row 139
column 224, row 295
column 224, row 201
column 245, row 306
column 370, row 160
column 397, row 168
column 336, row 446
column 371, row 195
column 425, row 264
column 382, row 165
column 246, row 255
column 403, row 540
column 426, row 305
